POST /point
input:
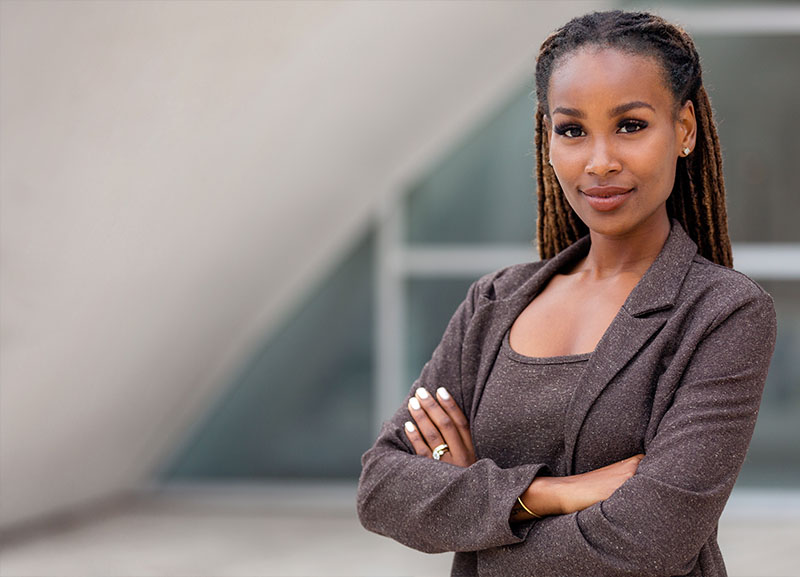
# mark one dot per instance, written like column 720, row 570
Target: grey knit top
column 539, row 389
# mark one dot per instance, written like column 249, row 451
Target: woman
column 588, row 414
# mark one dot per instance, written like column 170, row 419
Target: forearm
column 436, row 507
column 646, row 528
column 562, row 495
column 540, row 499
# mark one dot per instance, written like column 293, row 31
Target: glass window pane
column 302, row 406
column 430, row 304
column 484, row 190
column 754, row 89
column 774, row 457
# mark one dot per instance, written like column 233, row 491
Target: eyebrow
column 616, row 111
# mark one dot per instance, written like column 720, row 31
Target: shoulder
column 521, row 281
column 717, row 292
column 503, row 283
column 717, row 281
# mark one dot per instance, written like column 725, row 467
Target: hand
column 437, row 423
column 582, row 491
column 563, row 495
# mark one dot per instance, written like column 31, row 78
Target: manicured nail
column 422, row 393
column 443, row 394
column 414, row 404
column 409, row 426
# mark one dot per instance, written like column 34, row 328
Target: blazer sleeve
column 430, row 505
column 657, row 521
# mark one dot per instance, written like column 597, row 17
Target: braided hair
column 697, row 200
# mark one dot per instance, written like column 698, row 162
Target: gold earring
column 686, row 150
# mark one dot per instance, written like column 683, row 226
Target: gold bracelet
column 535, row 516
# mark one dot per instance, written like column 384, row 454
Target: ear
column 686, row 126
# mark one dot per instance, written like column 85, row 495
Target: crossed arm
column 440, row 421
column 646, row 515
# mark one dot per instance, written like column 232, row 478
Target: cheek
column 655, row 167
column 568, row 164
column 652, row 160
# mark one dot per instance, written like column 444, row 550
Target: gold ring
column 439, row 451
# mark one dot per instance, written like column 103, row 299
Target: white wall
column 173, row 178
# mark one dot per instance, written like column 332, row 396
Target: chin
column 605, row 223
column 609, row 229
column 619, row 224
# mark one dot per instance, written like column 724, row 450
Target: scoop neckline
column 556, row 360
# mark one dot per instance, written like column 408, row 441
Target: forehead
column 607, row 77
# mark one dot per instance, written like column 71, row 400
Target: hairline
column 640, row 50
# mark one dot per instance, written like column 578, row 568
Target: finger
column 630, row 466
column 420, row 447
column 443, row 423
column 633, row 461
column 629, row 460
column 430, row 434
column 457, row 416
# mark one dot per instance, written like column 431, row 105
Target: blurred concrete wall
column 174, row 175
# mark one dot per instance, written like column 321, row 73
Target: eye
column 630, row 125
column 569, row 130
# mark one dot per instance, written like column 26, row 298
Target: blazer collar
column 656, row 290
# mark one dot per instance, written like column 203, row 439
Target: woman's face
column 615, row 139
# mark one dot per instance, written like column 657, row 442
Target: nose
column 602, row 160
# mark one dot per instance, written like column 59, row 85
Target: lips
column 606, row 198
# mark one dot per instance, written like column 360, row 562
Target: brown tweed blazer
column 678, row 376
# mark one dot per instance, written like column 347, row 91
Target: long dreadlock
column 697, row 200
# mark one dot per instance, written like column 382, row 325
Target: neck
column 631, row 253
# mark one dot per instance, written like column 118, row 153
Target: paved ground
column 254, row 531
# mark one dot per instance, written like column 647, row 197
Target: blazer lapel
column 622, row 341
column 630, row 330
column 494, row 316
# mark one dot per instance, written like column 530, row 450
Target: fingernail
column 422, row 393
column 442, row 392
column 414, row 404
column 409, row 426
